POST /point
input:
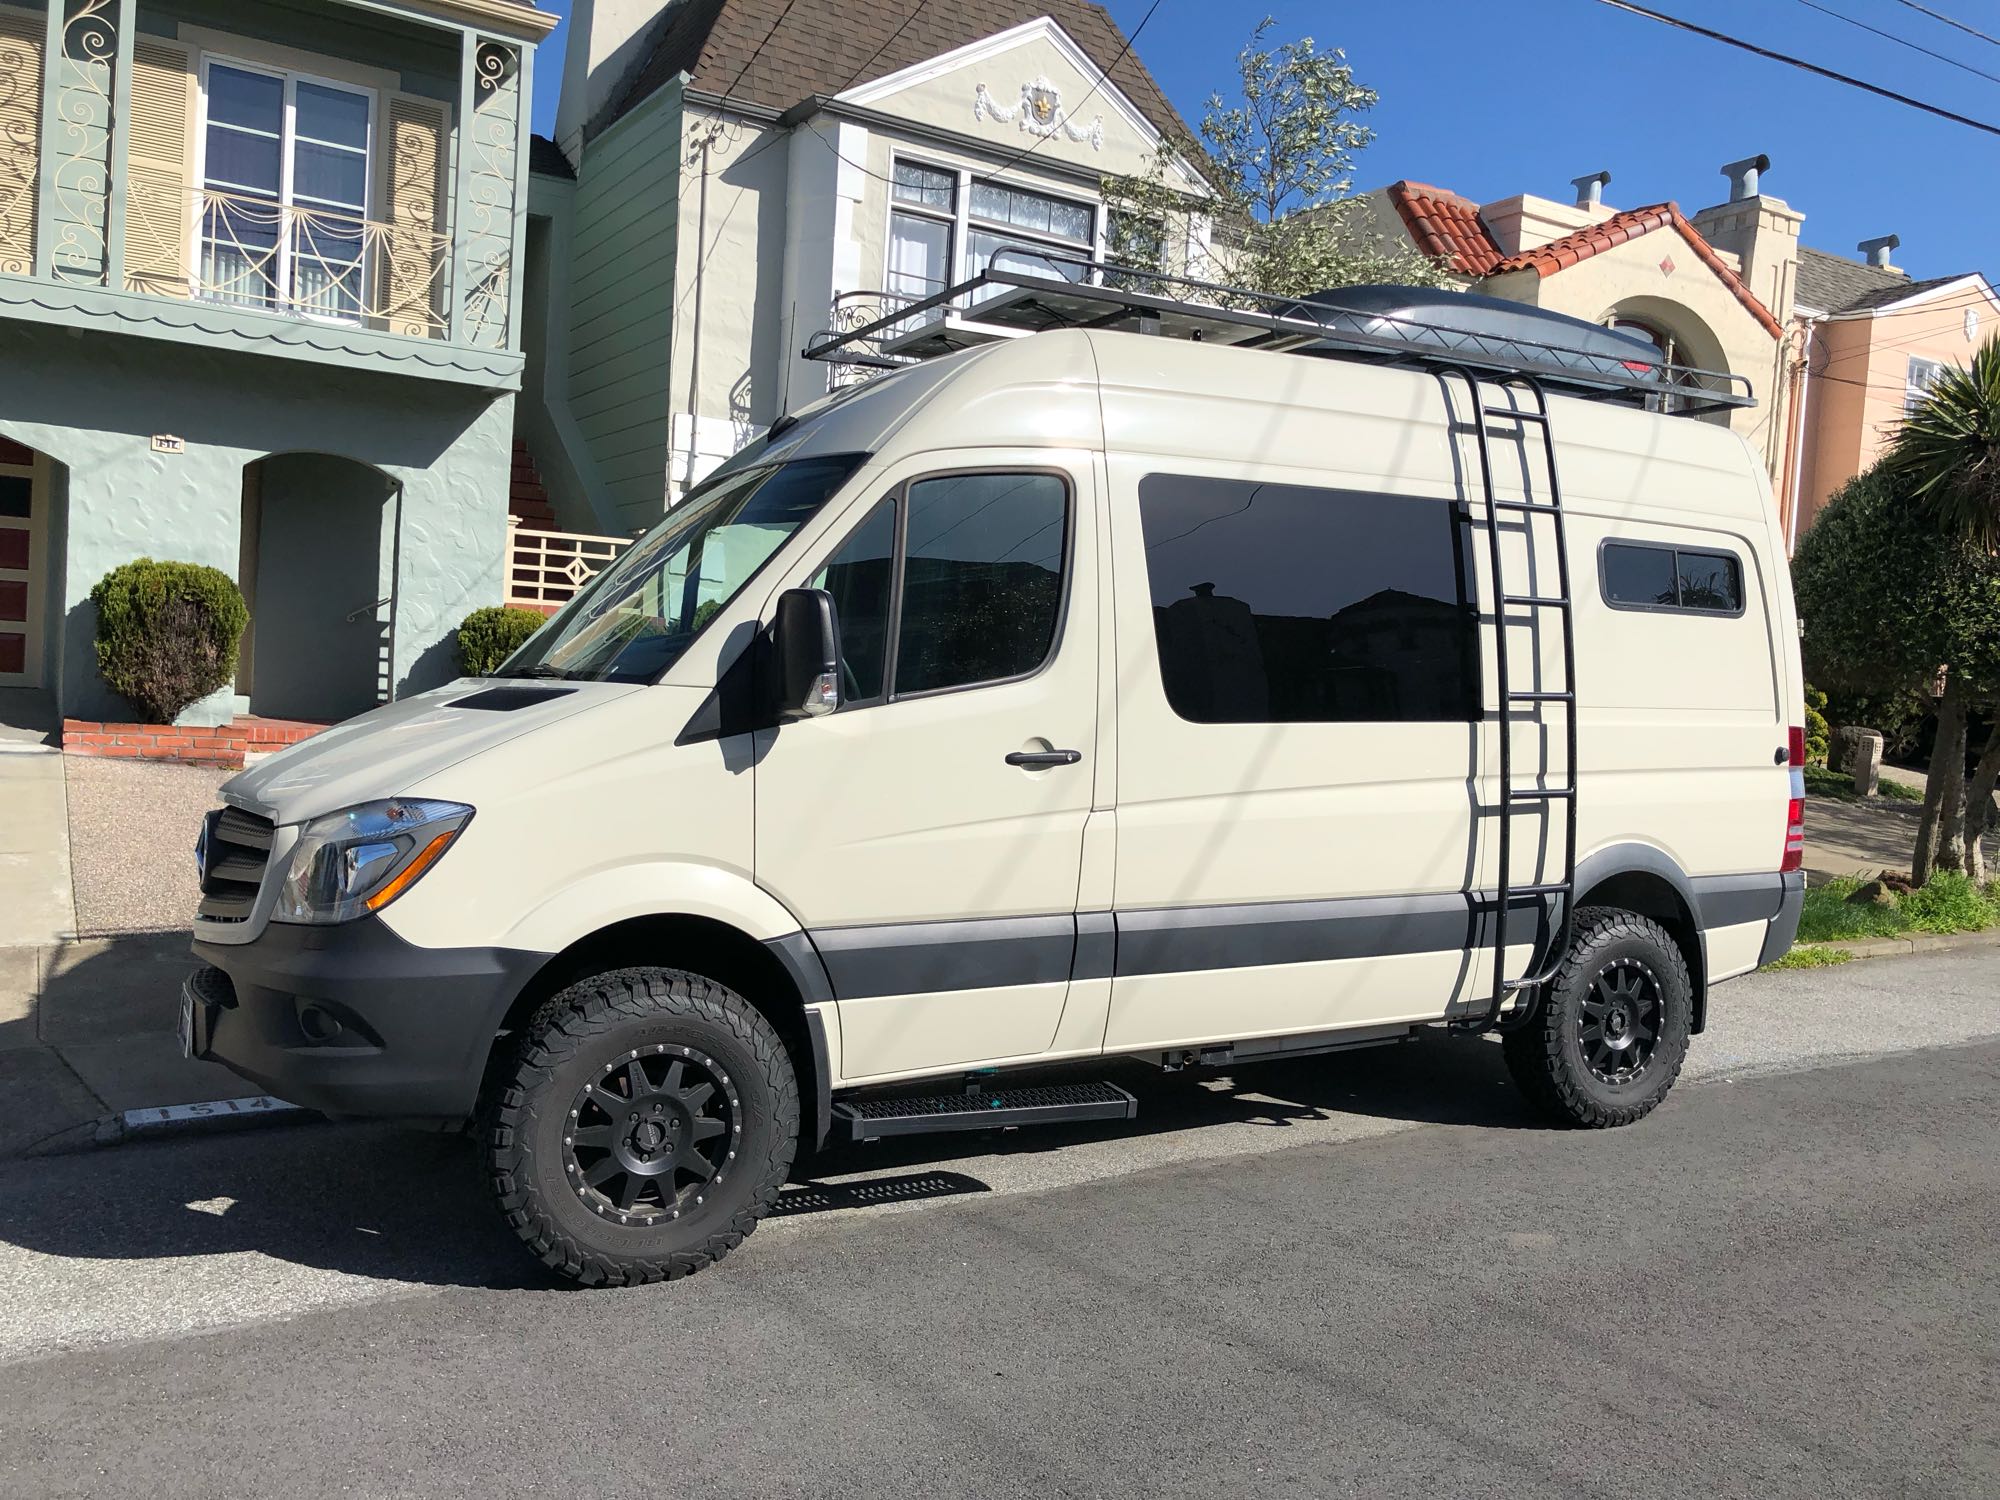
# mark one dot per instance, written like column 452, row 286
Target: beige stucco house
column 1710, row 289
column 1870, row 341
column 731, row 178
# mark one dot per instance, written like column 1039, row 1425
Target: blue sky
column 1492, row 100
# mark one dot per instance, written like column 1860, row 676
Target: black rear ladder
column 1533, row 800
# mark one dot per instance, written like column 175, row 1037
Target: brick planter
column 190, row 744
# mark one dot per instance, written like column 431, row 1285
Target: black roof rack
column 1408, row 326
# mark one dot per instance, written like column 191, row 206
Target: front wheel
column 644, row 1124
column 1612, row 1029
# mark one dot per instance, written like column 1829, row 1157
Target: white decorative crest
column 1040, row 112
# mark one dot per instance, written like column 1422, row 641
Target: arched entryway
column 1681, row 337
column 319, row 575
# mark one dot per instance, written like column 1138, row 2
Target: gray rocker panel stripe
column 931, row 957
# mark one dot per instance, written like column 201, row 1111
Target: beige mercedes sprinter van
column 1200, row 686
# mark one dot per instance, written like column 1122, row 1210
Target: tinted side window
column 1288, row 604
column 982, row 578
column 859, row 577
column 1647, row 577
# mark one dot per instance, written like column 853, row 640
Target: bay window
column 947, row 225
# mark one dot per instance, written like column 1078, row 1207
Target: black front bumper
column 353, row 1020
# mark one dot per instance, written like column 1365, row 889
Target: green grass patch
column 1821, row 782
column 1806, row 956
column 1949, row 903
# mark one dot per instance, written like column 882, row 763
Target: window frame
column 285, row 299
column 962, row 221
column 1676, row 551
column 1915, row 390
column 899, row 493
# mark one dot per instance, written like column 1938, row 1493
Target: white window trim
column 1914, row 390
column 287, row 150
column 963, row 223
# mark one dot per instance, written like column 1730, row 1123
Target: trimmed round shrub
column 167, row 633
column 489, row 636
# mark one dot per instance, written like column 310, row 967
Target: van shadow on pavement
column 401, row 1205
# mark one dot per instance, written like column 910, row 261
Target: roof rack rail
column 1408, row 326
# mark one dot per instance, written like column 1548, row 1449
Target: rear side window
column 1288, row 604
column 952, row 582
column 1641, row 576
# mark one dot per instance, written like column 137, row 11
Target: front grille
column 238, row 846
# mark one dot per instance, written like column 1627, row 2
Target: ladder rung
column 1535, row 599
column 1508, row 411
column 1550, row 509
column 1539, row 793
column 1541, row 697
column 1560, row 888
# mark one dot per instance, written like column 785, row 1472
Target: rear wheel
column 646, row 1122
column 1611, row 1031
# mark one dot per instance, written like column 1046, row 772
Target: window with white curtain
column 284, row 190
column 1010, row 216
column 921, row 225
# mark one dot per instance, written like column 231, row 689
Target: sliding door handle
column 1036, row 760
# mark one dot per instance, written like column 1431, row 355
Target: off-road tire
column 579, row 1033
column 1546, row 1056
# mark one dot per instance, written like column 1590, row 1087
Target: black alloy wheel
column 1610, row 1030
column 651, row 1136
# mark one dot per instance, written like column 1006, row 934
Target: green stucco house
column 260, row 308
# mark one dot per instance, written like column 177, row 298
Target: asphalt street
column 1367, row 1275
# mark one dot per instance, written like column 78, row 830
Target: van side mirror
column 805, row 654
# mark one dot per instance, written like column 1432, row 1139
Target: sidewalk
column 87, row 1022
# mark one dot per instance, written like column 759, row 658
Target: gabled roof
column 545, row 157
column 1448, row 227
column 1833, row 283
column 776, row 54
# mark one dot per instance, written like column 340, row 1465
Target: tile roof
column 776, row 54
column 1447, row 226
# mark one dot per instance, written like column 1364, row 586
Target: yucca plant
column 1947, row 453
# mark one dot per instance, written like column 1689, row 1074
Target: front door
column 937, row 877
column 23, row 522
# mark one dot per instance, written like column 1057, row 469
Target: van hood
column 385, row 752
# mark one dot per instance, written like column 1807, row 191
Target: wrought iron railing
column 546, row 568
column 242, row 250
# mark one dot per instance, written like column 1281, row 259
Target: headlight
column 347, row 864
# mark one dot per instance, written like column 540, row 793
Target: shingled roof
column 1448, row 228
column 776, row 54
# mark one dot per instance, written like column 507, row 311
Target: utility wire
column 1940, row 16
column 1901, row 41
column 1799, row 62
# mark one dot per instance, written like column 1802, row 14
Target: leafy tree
column 1947, row 451
column 1281, row 169
column 1946, row 455
column 1890, row 602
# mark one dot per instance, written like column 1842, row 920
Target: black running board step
column 989, row 1109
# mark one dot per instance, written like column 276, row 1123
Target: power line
column 1940, row 16
column 1901, row 41
column 1799, row 62
column 1103, row 76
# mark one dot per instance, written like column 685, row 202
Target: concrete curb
column 1916, row 942
column 172, row 1122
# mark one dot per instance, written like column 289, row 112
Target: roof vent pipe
column 1742, row 176
column 1876, row 251
column 1590, row 190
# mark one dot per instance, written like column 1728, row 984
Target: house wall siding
column 93, row 403
column 623, row 251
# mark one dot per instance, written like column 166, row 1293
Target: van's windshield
column 636, row 618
